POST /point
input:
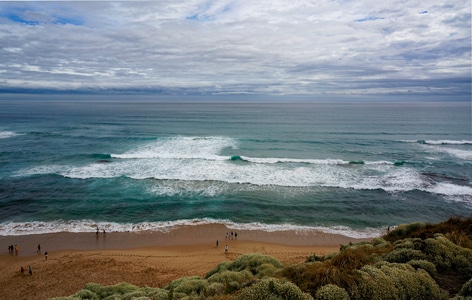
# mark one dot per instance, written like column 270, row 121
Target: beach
column 141, row 258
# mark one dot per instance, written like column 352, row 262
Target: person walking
column 30, row 270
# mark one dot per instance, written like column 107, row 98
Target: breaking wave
column 7, row 134
column 77, row 226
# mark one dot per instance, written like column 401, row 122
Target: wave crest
column 7, row 134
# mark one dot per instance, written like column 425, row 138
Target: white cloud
column 224, row 46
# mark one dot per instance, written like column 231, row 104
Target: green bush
column 373, row 284
column 103, row 292
column 403, row 255
column 229, row 276
column 266, row 270
column 230, row 280
column 466, row 290
column 331, row 292
column 405, row 230
column 273, row 289
column 254, row 263
column 448, row 256
column 215, row 288
column 423, row 264
column 192, row 285
column 411, row 283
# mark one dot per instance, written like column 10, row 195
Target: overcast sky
column 274, row 47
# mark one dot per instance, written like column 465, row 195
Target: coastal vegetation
column 413, row 261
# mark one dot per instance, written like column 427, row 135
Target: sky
column 241, row 47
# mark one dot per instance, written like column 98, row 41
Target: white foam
column 181, row 148
column 448, row 142
column 458, row 153
column 450, row 189
column 275, row 160
column 7, row 134
column 77, row 226
column 189, row 160
column 439, row 142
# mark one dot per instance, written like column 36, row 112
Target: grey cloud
column 274, row 47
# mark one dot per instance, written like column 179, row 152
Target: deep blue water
column 350, row 167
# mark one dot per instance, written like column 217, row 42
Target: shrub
column 215, row 288
column 448, row 256
column 229, row 276
column 102, row 292
column 252, row 262
column 230, row 280
column 403, row 255
column 220, row 268
column 466, row 290
column 193, row 285
column 266, row 270
column 411, row 283
column 423, row 264
column 146, row 293
column 352, row 258
column 373, row 284
column 459, row 238
column 405, row 230
column 271, row 288
column 310, row 277
column 331, row 292
column 378, row 241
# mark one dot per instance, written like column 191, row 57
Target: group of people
column 231, row 236
column 30, row 270
column 13, row 249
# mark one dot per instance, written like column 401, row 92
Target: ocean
column 352, row 168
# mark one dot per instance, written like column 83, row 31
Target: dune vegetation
column 414, row 261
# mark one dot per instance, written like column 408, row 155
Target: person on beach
column 217, row 243
column 39, row 248
column 226, row 248
column 22, row 271
column 235, row 235
column 16, row 249
column 46, row 255
column 30, row 270
column 231, row 235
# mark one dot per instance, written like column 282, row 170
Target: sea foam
column 80, row 226
column 7, row 134
column 185, row 161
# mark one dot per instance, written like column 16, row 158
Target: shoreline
column 151, row 259
column 184, row 235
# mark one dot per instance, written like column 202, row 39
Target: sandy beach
column 144, row 259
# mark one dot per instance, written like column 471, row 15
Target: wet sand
column 144, row 259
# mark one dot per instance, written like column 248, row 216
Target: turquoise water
column 352, row 168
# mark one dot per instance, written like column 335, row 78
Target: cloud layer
column 325, row 47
